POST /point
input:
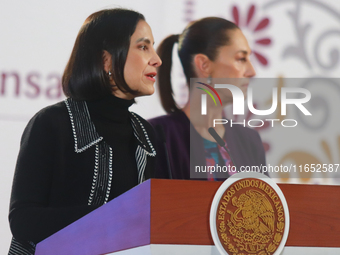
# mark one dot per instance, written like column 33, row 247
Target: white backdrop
column 301, row 40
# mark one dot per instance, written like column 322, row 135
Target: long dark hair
column 84, row 77
column 204, row 36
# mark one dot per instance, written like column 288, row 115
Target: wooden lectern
column 173, row 215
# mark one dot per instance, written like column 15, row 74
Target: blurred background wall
column 289, row 39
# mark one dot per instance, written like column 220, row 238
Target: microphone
column 221, row 143
column 161, row 133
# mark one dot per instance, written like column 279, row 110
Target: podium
column 172, row 217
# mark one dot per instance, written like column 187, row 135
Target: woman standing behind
column 208, row 48
column 78, row 154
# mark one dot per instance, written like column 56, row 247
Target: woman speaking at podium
column 208, row 48
column 78, row 154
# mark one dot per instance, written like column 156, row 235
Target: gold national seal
column 250, row 218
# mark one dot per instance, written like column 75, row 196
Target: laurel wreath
column 242, row 238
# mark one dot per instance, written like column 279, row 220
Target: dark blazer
column 64, row 171
column 244, row 144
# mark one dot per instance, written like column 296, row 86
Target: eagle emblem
column 250, row 219
column 257, row 214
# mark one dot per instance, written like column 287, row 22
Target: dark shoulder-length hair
column 204, row 36
column 84, row 77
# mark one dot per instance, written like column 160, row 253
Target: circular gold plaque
column 249, row 216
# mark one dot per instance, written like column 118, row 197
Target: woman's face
column 142, row 61
column 233, row 62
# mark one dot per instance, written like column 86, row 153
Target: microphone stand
column 221, row 143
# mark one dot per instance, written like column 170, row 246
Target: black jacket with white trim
column 64, row 171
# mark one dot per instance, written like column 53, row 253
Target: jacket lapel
column 84, row 132
column 144, row 147
column 86, row 136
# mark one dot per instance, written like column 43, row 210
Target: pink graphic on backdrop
column 254, row 29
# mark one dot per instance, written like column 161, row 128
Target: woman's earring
column 209, row 79
column 110, row 74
